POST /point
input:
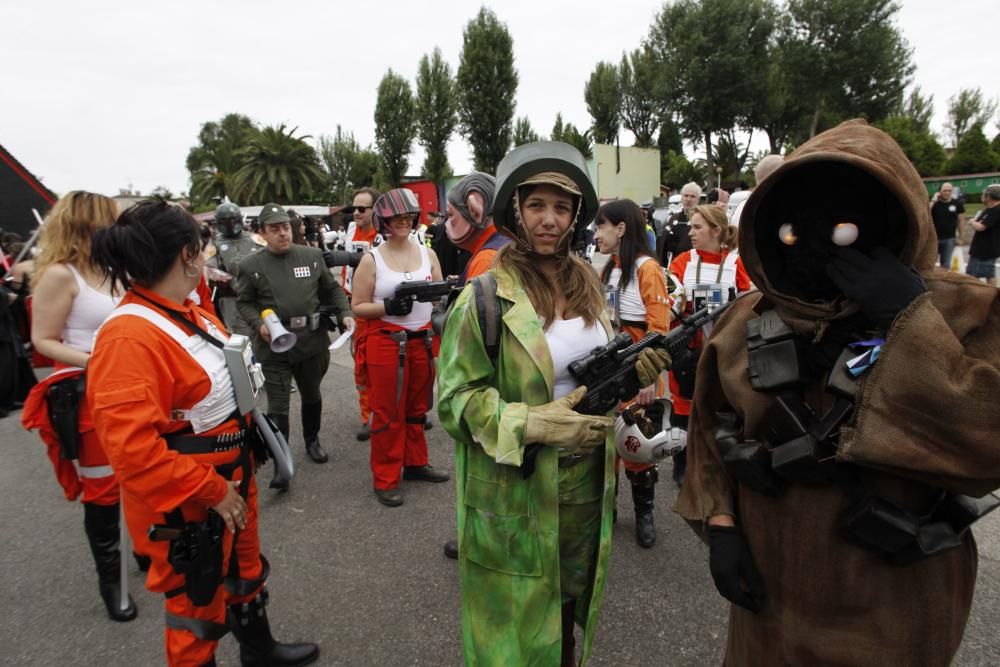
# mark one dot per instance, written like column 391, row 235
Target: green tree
column 604, row 103
column 917, row 141
column 844, row 58
column 919, row 109
column 277, row 167
column 678, row 170
column 523, row 132
column 486, row 84
column 568, row 133
column 995, row 145
column 711, row 58
column 214, row 161
column 395, row 126
column 669, row 137
column 348, row 166
column 973, row 154
column 436, row 117
column 641, row 109
column 967, row 109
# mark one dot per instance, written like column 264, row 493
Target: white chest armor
column 220, row 401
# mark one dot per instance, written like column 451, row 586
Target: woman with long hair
column 641, row 305
column 535, row 478
column 399, row 347
column 70, row 299
column 166, row 412
column 712, row 260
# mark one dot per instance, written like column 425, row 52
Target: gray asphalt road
column 369, row 583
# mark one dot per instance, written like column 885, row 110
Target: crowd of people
column 835, row 501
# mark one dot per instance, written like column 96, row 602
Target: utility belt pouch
column 749, row 463
column 804, row 459
column 841, row 381
column 882, row 526
column 315, row 322
column 787, row 418
column 683, row 368
column 197, row 554
column 963, row 511
column 772, row 353
column 63, row 402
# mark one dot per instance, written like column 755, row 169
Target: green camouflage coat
column 508, row 527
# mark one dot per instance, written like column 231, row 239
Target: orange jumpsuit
column 653, row 291
column 360, row 329
column 138, row 379
column 679, row 267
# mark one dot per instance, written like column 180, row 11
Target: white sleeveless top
column 569, row 341
column 630, row 302
column 386, row 281
column 90, row 308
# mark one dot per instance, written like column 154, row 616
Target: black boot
column 281, row 421
column 643, row 486
column 312, row 415
column 101, row 524
column 257, row 647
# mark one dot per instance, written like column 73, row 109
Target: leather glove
column 328, row 259
column 650, row 364
column 733, row 570
column 557, row 425
column 881, row 285
column 398, row 305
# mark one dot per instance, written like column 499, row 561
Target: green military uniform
column 294, row 285
column 525, row 545
column 229, row 252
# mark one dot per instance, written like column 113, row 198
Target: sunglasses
column 361, row 209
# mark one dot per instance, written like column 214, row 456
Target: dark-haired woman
column 711, row 260
column 165, row 410
column 70, row 300
column 535, row 478
column 399, row 348
column 641, row 305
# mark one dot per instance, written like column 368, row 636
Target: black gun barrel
column 425, row 290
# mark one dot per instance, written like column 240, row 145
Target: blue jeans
column 946, row 248
column 982, row 268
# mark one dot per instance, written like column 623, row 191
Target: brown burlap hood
column 925, row 420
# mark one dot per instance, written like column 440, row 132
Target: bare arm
column 363, row 290
column 52, row 301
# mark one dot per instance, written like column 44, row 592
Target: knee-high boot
column 101, row 522
column 643, row 487
column 258, row 648
column 312, row 416
column 281, row 421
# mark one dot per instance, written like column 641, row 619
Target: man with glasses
column 293, row 281
column 361, row 230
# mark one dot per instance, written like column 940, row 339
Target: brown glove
column 556, row 424
column 650, row 364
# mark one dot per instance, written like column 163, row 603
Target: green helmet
column 229, row 219
column 528, row 160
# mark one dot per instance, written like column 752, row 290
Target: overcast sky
column 103, row 95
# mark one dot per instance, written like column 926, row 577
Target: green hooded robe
column 508, row 527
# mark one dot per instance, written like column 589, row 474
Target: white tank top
column 90, row 308
column 630, row 302
column 386, row 281
column 569, row 341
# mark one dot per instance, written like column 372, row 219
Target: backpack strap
column 488, row 311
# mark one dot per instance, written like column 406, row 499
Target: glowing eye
column 845, row 233
column 787, row 234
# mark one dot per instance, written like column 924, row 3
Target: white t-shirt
column 569, row 341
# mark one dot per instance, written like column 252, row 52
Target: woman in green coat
column 535, row 479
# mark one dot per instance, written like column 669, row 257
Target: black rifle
column 424, row 290
column 609, row 371
column 342, row 258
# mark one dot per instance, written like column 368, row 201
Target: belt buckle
column 297, row 322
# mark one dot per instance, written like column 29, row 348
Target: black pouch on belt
column 683, row 368
column 63, row 401
column 197, row 554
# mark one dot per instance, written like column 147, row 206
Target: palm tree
column 214, row 161
column 277, row 167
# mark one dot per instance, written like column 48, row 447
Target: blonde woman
column 70, row 301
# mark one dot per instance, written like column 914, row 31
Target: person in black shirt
column 985, row 246
column 948, row 214
column 674, row 240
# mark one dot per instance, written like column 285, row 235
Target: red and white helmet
column 644, row 434
column 399, row 201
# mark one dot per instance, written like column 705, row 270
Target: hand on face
column 546, row 215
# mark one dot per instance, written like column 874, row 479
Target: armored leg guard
column 643, row 486
column 312, row 414
column 281, row 421
column 101, row 525
column 258, row 648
